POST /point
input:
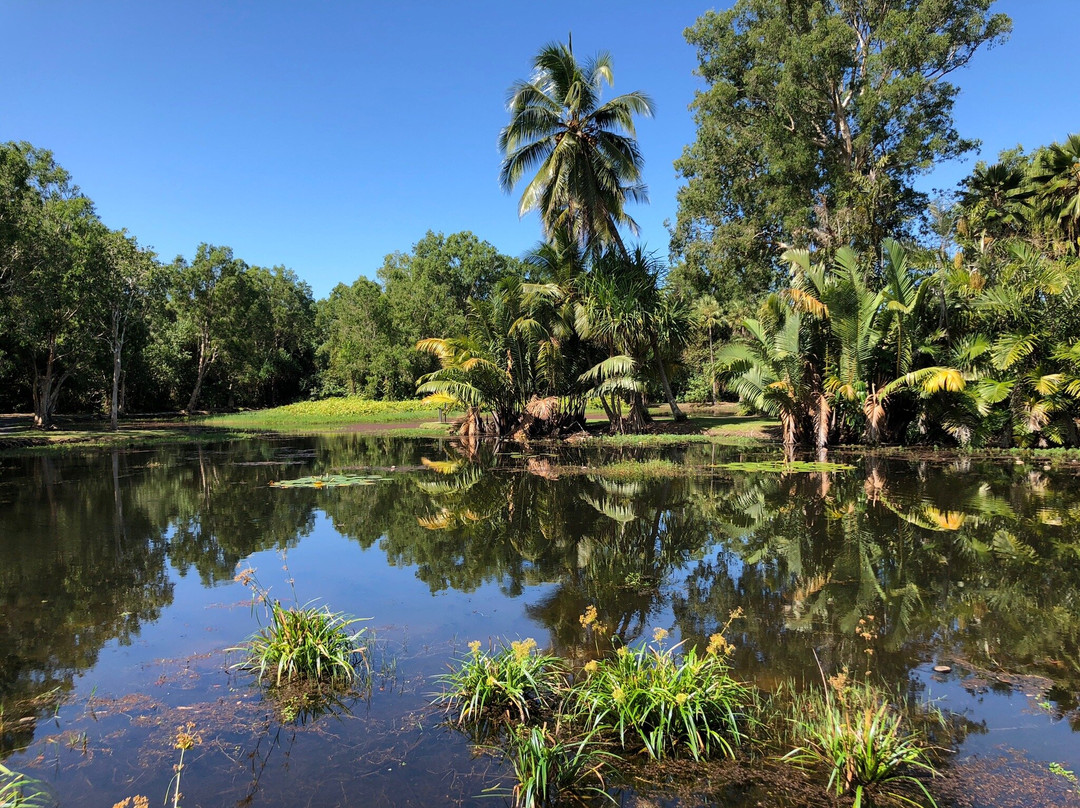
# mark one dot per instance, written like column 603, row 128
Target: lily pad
column 780, row 467
column 328, row 481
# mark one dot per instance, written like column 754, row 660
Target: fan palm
column 584, row 152
column 1057, row 173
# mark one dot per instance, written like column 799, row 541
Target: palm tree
column 709, row 315
column 622, row 309
column 772, row 370
column 1057, row 174
column 584, row 152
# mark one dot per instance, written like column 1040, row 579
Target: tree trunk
column 46, row 390
column 114, row 402
column 712, row 368
column 676, row 413
column 638, row 417
column 204, row 363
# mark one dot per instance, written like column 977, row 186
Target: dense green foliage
column 815, row 122
column 801, row 286
column 92, row 322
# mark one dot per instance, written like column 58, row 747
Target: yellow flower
column 623, row 650
column 718, row 644
column 522, row 648
column 491, row 681
column 617, row 694
column 589, row 617
column 592, row 666
column 474, row 646
column 659, row 634
column 681, row 698
column 735, row 614
column 186, row 737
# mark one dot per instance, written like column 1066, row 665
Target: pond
column 118, row 604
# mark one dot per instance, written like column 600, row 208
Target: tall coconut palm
column 584, row 152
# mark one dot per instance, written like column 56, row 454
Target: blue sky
column 323, row 136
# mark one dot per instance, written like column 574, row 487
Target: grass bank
column 332, row 413
column 18, row 435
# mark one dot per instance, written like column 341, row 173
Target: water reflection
column 966, row 563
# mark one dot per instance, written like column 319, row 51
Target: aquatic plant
column 514, row 678
column 327, row 481
column 186, row 739
column 549, row 769
column 666, row 700
column 854, row 731
column 19, row 791
column 305, row 642
column 302, row 643
column 783, row 466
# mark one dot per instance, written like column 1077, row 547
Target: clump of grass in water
column 19, row 791
column 549, row 769
column 512, row 679
column 665, row 700
column 855, row 732
column 303, row 643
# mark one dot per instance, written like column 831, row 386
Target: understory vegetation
column 567, row 731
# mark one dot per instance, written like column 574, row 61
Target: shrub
column 667, row 701
column 514, row 678
column 856, row 733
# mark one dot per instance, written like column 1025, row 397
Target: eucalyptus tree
column 130, row 273
column 208, row 299
column 816, row 120
column 583, row 151
column 50, row 269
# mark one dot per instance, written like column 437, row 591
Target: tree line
column 849, row 304
column 92, row 321
column 809, row 275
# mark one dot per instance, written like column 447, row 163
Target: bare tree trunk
column 712, row 368
column 204, row 363
column 676, row 413
column 114, row 402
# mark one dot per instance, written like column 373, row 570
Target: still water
column 118, row 603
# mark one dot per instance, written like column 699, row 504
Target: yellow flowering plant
column 514, row 680
column 664, row 700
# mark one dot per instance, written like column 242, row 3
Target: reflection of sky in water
column 527, row 556
column 1013, row 720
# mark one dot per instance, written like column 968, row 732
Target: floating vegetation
column 781, row 467
column 641, row 469
column 328, row 481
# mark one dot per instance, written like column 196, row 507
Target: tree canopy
column 816, row 119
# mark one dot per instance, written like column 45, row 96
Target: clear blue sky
column 323, row 136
